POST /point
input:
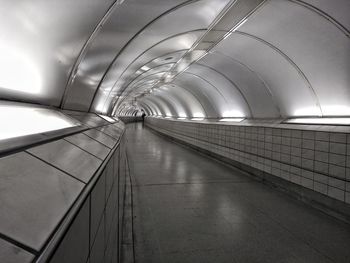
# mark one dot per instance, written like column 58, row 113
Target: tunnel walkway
column 190, row 208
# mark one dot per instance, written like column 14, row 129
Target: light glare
column 18, row 72
column 232, row 114
column 321, row 121
column 107, row 118
column 231, row 119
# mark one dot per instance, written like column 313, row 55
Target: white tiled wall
column 317, row 160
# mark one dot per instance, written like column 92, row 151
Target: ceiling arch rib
column 315, row 44
column 206, row 94
column 172, row 108
column 108, row 42
column 181, row 110
column 147, row 106
column 190, row 17
column 158, row 105
column 164, row 59
column 172, row 44
column 255, row 88
column 234, row 97
column 290, row 61
column 340, row 10
column 233, row 15
column 150, row 72
column 282, row 78
column 188, row 107
column 177, row 42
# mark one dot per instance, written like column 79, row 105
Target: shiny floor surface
column 190, row 208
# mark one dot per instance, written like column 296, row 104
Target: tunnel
column 165, row 131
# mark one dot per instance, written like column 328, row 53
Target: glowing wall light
column 308, row 111
column 198, row 115
column 320, row 121
column 20, row 121
column 232, row 114
column 107, row 118
column 231, row 119
column 336, row 110
column 18, row 72
column 182, row 115
column 181, row 118
column 197, row 119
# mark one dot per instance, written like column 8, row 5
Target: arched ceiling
column 179, row 58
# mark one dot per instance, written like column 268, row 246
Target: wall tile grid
column 316, row 160
column 103, row 219
column 48, row 180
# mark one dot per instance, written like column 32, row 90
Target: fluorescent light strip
column 197, row 119
column 107, row 118
column 19, row 121
column 321, row 121
column 181, row 118
column 231, row 119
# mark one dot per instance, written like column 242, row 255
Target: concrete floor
column 190, row 208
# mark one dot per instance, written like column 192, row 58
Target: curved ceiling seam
column 141, row 83
column 289, row 60
column 323, row 14
column 138, row 81
column 219, row 92
column 151, row 104
column 149, row 61
column 175, row 101
column 157, row 108
column 194, row 95
column 232, row 83
column 170, row 104
column 84, row 48
column 207, row 81
column 134, row 37
column 154, row 45
column 160, row 107
column 216, row 109
column 144, row 105
column 267, row 87
column 146, row 110
column 144, row 52
column 149, row 107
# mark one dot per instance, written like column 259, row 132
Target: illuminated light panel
column 197, row 119
column 231, row 119
column 336, row 110
column 19, row 121
column 198, row 115
column 321, row 121
column 181, row 118
column 167, row 117
column 309, row 111
column 107, row 118
column 145, row 68
column 232, row 114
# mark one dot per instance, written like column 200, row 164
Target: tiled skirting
column 313, row 165
column 129, row 119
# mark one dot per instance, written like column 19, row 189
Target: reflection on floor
column 190, row 208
